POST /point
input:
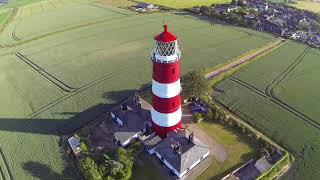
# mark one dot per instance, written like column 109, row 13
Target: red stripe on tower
column 166, row 101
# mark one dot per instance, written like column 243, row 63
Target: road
column 246, row 58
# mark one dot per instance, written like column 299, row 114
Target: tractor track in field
column 82, row 88
column 52, row 4
column 13, row 34
column 4, row 171
column 277, row 101
column 269, row 90
column 61, row 85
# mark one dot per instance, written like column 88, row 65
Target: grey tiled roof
column 152, row 141
column 134, row 119
column 189, row 154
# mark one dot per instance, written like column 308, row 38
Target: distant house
column 133, row 118
column 224, row 8
column 75, row 145
column 276, row 26
column 180, row 151
column 144, row 6
column 250, row 16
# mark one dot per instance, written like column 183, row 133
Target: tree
column 195, row 85
column 205, row 10
column 196, row 117
column 215, row 115
column 234, row 2
column 90, row 169
column 209, row 115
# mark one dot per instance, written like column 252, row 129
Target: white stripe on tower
column 166, row 90
column 166, row 119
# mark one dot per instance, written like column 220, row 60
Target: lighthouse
column 166, row 101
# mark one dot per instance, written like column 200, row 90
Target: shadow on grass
column 44, row 172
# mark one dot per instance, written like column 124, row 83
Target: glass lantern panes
column 166, row 49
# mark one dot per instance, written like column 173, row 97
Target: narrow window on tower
column 173, row 71
column 173, row 104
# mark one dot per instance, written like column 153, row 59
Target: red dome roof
column 165, row 36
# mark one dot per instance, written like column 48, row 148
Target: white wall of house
column 132, row 139
column 151, row 151
column 185, row 172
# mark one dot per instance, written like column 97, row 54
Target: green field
column 185, row 3
column 307, row 5
column 278, row 94
column 62, row 65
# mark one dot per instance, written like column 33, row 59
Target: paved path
column 246, row 58
column 217, row 150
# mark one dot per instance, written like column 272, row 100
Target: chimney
column 124, row 107
column 136, row 98
column 191, row 138
column 177, row 148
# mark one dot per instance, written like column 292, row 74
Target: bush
column 84, row 132
column 90, row 169
column 196, row 117
column 84, row 146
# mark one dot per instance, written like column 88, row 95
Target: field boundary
column 244, row 59
column 45, row 74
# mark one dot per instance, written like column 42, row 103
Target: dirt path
column 246, row 58
column 217, row 150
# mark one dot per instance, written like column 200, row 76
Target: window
column 173, row 104
column 165, row 48
column 173, row 71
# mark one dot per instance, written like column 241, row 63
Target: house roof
column 190, row 151
column 134, row 118
column 152, row 141
column 262, row 164
column 74, row 143
column 143, row 5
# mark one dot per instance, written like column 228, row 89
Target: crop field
column 278, row 94
column 58, row 72
column 307, row 5
column 185, row 3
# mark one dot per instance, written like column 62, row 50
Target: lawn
column 307, row 5
column 238, row 148
column 185, row 3
column 81, row 65
column 278, row 95
column 146, row 169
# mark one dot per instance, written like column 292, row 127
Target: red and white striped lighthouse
column 166, row 101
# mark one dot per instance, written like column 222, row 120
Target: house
column 144, row 6
column 273, row 25
column 250, row 16
column 180, row 151
column 133, row 119
column 75, row 145
column 262, row 164
column 224, row 8
column 151, row 142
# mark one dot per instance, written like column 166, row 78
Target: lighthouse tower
column 166, row 101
